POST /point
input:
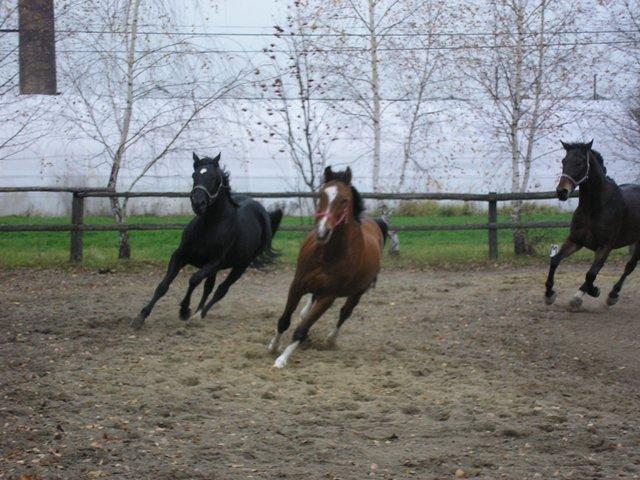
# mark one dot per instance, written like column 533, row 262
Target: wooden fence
column 78, row 195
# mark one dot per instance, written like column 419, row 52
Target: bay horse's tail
column 269, row 255
column 384, row 226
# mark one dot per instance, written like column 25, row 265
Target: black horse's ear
column 347, row 176
column 196, row 160
column 217, row 159
column 328, row 174
column 589, row 145
column 565, row 145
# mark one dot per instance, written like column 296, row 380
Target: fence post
column 493, row 231
column 77, row 219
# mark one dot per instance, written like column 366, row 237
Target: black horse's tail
column 269, row 255
column 384, row 226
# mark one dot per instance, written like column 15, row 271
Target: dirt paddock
column 437, row 374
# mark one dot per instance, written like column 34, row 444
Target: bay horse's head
column 209, row 181
column 339, row 204
column 575, row 168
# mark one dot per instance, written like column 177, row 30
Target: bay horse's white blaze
column 307, row 308
column 275, row 343
column 332, row 193
column 281, row 361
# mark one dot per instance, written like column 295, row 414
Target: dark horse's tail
column 269, row 254
column 384, row 226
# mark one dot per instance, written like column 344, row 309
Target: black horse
column 607, row 217
column 229, row 231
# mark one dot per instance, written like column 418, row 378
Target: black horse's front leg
column 588, row 287
column 208, row 271
column 569, row 247
column 175, row 264
column 232, row 277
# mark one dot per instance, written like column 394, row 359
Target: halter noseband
column 343, row 218
column 210, row 198
column 583, row 179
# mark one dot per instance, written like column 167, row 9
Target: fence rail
column 77, row 226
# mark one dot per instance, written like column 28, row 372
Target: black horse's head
column 209, row 181
column 575, row 168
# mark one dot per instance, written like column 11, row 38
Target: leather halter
column 583, row 179
column 211, row 198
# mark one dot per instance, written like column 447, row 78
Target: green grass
column 44, row 249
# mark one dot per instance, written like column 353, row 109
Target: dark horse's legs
column 175, row 264
column 232, row 277
column 588, row 287
column 320, row 306
column 208, row 271
column 293, row 299
column 568, row 248
column 345, row 312
column 629, row 267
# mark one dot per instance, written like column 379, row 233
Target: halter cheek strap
column 583, row 179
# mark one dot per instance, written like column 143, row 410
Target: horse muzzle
column 564, row 189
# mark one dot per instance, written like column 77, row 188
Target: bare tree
column 140, row 95
column 528, row 77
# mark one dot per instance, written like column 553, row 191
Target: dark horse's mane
column 226, row 177
column 344, row 176
column 583, row 146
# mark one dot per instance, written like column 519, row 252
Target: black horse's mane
column 583, row 146
column 344, row 176
column 226, row 177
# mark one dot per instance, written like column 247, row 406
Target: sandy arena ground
column 436, row 373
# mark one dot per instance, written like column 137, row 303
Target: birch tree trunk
column 375, row 93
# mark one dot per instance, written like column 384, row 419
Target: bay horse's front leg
column 320, row 306
column 612, row 299
column 569, row 247
column 209, row 270
column 588, row 287
column 293, row 299
column 175, row 264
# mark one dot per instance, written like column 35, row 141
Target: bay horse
column 228, row 231
column 340, row 258
column 607, row 217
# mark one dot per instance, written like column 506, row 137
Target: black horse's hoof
column 185, row 314
column 594, row 292
column 549, row 299
column 611, row 301
column 137, row 322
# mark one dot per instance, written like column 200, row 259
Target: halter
column 343, row 218
column 583, row 179
column 210, row 198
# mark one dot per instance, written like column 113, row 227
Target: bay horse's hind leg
column 293, row 299
column 320, row 306
column 588, row 287
column 175, row 264
column 613, row 297
column 568, row 248
column 345, row 312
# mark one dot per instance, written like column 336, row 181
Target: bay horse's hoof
column 185, row 314
column 137, row 322
column 611, row 301
column 551, row 298
column 576, row 303
column 280, row 362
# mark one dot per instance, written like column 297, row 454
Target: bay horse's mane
column 226, row 177
column 344, row 176
column 583, row 146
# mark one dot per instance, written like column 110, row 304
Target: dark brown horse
column 607, row 217
column 340, row 258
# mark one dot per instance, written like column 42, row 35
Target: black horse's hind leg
column 208, row 287
column 568, row 248
column 293, row 299
column 345, row 313
column 629, row 267
column 588, row 287
column 205, row 272
column 232, row 277
column 175, row 264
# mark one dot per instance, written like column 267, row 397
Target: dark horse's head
column 575, row 168
column 339, row 203
column 209, row 183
